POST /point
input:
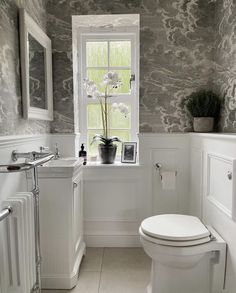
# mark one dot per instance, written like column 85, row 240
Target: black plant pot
column 107, row 153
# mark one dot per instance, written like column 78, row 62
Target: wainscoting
column 213, row 192
column 118, row 197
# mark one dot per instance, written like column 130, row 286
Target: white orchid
column 91, row 88
column 123, row 108
column 110, row 82
column 111, row 79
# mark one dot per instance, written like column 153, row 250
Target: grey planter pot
column 203, row 124
column 107, row 153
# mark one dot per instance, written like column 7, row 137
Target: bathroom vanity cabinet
column 61, row 223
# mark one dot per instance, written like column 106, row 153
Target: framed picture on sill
column 129, row 152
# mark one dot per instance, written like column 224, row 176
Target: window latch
column 132, row 78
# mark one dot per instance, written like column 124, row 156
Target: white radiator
column 18, row 245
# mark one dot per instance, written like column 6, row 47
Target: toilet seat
column 174, row 243
column 174, row 230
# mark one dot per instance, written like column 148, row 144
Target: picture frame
column 129, row 152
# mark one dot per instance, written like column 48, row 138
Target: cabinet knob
column 75, row 184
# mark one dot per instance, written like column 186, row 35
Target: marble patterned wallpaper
column 185, row 45
column 11, row 121
column 225, row 62
column 177, row 39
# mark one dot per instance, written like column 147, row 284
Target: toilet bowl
column 187, row 256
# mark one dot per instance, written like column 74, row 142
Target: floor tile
column 130, row 281
column 120, row 259
column 88, row 283
column 92, row 262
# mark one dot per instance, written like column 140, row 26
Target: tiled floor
column 112, row 270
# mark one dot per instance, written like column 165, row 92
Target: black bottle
column 83, row 154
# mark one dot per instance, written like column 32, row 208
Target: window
column 102, row 52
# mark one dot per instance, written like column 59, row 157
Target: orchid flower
column 110, row 82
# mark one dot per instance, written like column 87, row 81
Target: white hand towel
column 168, row 180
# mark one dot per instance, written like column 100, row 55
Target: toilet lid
column 174, row 227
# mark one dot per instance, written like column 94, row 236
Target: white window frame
column 128, row 33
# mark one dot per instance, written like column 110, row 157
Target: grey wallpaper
column 185, row 45
column 11, row 121
column 225, row 62
column 177, row 39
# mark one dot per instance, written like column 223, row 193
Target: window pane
column 124, row 76
column 97, row 54
column 120, row 53
column 118, row 119
column 124, row 135
column 96, row 75
column 94, row 117
column 93, row 148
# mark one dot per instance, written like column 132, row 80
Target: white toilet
column 187, row 257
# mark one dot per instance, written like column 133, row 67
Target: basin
column 63, row 162
column 63, row 167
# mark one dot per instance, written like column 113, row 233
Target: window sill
column 116, row 164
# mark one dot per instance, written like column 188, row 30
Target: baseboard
column 112, row 240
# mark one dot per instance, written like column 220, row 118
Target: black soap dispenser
column 83, row 154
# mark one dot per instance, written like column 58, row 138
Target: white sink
column 63, row 162
column 63, row 167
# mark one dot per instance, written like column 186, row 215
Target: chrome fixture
column 5, row 213
column 31, row 156
column 44, row 148
column 57, row 153
column 15, row 155
column 158, row 167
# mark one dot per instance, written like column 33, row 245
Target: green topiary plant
column 203, row 103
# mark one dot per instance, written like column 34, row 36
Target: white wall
column 117, row 198
column 205, row 185
column 172, row 152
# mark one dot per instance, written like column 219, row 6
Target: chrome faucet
column 30, row 156
column 57, row 153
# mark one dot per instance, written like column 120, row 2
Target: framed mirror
column 36, row 70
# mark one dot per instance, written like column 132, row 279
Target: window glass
column 97, row 54
column 96, row 75
column 94, row 116
column 124, row 76
column 118, row 119
column 120, row 53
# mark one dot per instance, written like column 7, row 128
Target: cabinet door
column 77, row 213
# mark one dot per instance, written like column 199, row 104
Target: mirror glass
column 37, row 74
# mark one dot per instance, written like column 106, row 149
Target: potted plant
column 204, row 106
column 107, row 148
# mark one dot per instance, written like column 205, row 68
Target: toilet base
column 196, row 269
column 165, row 279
